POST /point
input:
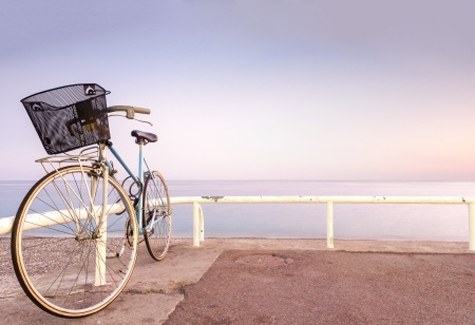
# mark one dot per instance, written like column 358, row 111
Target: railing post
column 202, row 225
column 101, row 242
column 330, row 225
column 471, row 227
column 196, row 224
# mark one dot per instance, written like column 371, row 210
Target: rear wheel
column 69, row 260
column 157, row 216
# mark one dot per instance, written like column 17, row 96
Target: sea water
column 351, row 221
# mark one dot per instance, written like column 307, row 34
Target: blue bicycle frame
column 138, row 180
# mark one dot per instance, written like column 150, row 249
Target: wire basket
column 69, row 117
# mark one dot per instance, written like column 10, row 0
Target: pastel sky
column 256, row 89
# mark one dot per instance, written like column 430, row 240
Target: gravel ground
column 325, row 287
column 8, row 282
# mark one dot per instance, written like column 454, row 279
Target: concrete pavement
column 156, row 288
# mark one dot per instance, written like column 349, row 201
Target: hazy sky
column 347, row 90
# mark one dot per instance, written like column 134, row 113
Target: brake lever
column 143, row 121
column 136, row 119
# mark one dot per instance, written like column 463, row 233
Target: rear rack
column 88, row 155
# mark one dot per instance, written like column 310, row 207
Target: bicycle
column 76, row 232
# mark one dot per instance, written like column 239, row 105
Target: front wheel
column 72, row 253
column 157, row 216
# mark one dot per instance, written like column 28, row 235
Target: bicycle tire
column 59, row 268
column 157, row 201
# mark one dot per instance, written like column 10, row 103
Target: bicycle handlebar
column 130, row 110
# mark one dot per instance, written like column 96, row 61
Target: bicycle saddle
column 144, row 137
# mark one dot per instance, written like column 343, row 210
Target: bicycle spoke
column 52, row 220
column 56, row 208
column 61, row 274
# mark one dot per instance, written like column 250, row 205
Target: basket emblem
column 89, row 90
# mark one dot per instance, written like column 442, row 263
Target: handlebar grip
column 141, row 110
column 131, row 110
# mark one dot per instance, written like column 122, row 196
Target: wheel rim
column 157, row 210
column 59, row 265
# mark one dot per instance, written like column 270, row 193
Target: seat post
column 142, row 185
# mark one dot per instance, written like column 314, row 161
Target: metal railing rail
column 198, row 218
column 52, row 218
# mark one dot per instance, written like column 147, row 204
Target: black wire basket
column 69, row 117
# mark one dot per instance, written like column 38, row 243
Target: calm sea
column 362, row 221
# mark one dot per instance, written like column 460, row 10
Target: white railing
column 50, row 218
column 198, row 217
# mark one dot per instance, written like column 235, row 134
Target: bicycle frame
column 139, row 180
